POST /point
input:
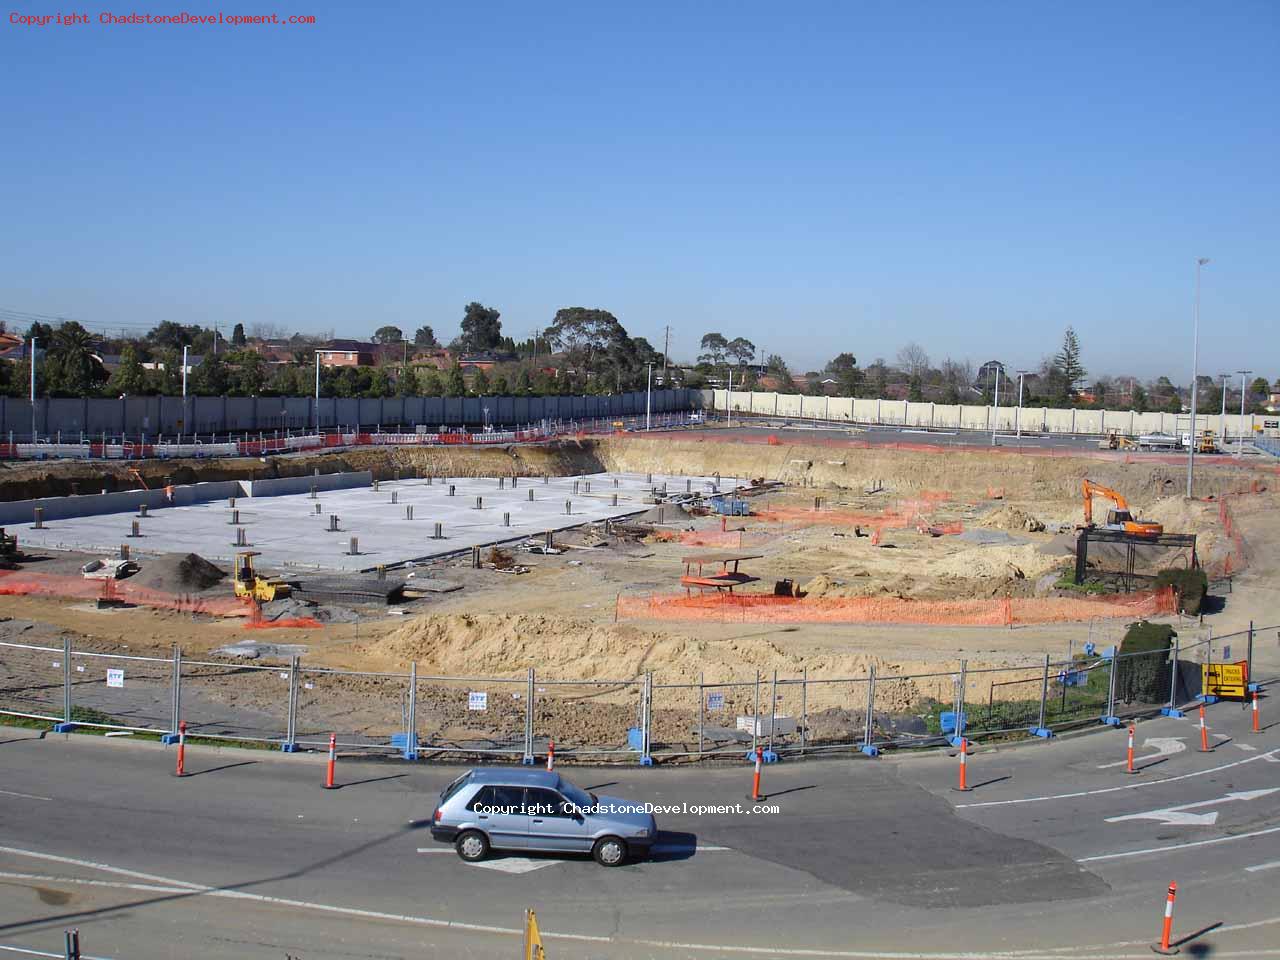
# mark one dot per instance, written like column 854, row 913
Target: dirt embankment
column 963, row 473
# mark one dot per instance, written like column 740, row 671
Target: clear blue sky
column 816, row 177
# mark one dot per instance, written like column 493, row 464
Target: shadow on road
column 225, row 766
column 782, row 793
column 987, row 783
column 1198, row 949
column 357, row 783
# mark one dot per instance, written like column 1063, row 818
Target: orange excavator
column 1119, row 518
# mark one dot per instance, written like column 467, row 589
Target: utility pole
column 648, row 393
column 666, row 347
column 1195, row 375
column 317, row 391
column 1240, row 432
column 995, row 417
column 33, row 389
column 1021, row 375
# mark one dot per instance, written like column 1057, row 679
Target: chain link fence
column 293, row 706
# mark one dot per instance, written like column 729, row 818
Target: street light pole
column 317, row 391
column 184, row 391
column 1222, row 417
column 648, row 393
column 1195, row 374
column 1240, row 432
column 1021, row 375
column 996, row 414
column 33, row 390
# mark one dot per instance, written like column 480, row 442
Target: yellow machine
column 1120, row 518
column 249, row 584
column 1115, row 440
column 1207, row 443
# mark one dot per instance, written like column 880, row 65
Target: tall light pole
column 1240, row 433
column 33, row 389
column 1021, row 375
column 184, row 392
column 995, row 416
column 1195, row 373
column 317, row 391
column 648, row 393
column 729, row 400
column 1222, row 417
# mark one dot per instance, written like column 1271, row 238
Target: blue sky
column 816, row 177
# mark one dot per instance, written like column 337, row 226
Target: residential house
column 347, row 353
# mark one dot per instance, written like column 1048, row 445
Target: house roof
column 348, row 346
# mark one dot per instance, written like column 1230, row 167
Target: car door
column 553, row 825
column 500, row 812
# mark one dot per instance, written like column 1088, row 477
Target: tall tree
column 74, row 371
column 844, row 368
column 523, row 383
column 237, row 335
column 1138, row 398
column 714, row 347
column 480, row 383
column 913, row 360
column 248, row 373
column 388, row 334
column 129, row 379
column 454, row 383
column 586, row 336
column 741, row 350
column 429, row 383
column 211, row 378
column 481, row 328
column 424, row 336
column 1068, row 362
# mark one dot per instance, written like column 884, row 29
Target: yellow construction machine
column 1115, row 440
column 1119, row 518
column 249, row 584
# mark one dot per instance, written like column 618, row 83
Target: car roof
column 516, row 778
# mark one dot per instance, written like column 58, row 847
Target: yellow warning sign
column 1225, row 679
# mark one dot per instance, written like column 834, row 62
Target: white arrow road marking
column 1263, row 866
column 1165, row 747
column 1175, row 817
column 1247, row 747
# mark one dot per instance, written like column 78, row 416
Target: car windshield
column 576, row 794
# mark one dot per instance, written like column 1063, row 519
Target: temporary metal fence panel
column 124, row 692
column 482, row 716
column 832, row 713
column 676, row 719
column 1001, row 701
column 588, row 717
column 236, row 701
column 366, row 710
column 32, row 681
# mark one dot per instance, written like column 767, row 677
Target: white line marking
column 41, row 953
column 1175, row 816
column 1247, row 747
column 1179, row 846
column 1165, row 746
column 25, row 796
column 114, row 884
column 1127, row 786
column 516, row 864
column 100, row 866
column 1263, row 866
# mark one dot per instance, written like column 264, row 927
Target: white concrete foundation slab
column 288, row 532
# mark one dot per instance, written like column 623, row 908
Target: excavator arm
column 1090, row 488
column 1121, row 518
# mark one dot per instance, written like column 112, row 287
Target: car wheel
column 610, row 852
column 472, row 845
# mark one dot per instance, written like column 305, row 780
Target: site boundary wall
column 1007, row 418
column 514, row 717
column 135, row 416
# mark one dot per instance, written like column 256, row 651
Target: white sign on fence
column 478, row 700
column 115, row 678
column 715, row 701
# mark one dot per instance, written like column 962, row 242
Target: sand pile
column 178, row 573
column 1025, row 560
column 1011, row 518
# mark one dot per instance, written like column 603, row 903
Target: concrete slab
column 288, row 531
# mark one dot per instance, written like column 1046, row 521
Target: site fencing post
column 1109, row 717
column 960, row 690
column 66, row 680
column 411, row 719
column 1172, row 709
column 773, row 709
column 1041, row 729
column 176, row 691
column 291, row 721
column 646, row 718
column 804, row 710
column 702, row 710
column 867, row 748
column 1248, row 656
column 527, row 759
column 755, row 717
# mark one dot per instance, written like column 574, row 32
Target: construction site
column 618, row 595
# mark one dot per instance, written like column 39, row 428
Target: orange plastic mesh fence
column 19, row 583
column 700, row 538
column 766, row 608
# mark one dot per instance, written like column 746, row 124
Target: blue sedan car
column 494, row 808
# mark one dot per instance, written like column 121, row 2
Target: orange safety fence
column 21, row 583
column 1003, row 612
column 700, row 538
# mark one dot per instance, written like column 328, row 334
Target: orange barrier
column 333, row 757
column 1166, row 930
column 700, row 538
column 963, row 786
column 1005, row 612
column 21, row 583
column 291, row 623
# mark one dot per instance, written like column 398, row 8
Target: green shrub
column 1142, row 668
column 1189, row 586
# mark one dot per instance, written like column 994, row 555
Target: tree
column 480, row 383
column 388, row 334
column 915, row 389
column 166, row 378
column 523, row 384
column 454, row 384
column 481, row 328
column 592, row 339
column 1068, row 363
column 237, row 335
column 429, row 383
column 913, row 360
column 500, row 388
column 248, row 373
column 1138, row 398
column 211, row 378
column 778, row 369
column 425, row 337
column 714, row 347
column 844, row 368
column 380, row 384
column 879, row 374
column 406, row 382
column 741, row 349
column 287, row 381
column 73, row 370
column 129, row 379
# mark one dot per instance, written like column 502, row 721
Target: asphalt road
column 1055, row 850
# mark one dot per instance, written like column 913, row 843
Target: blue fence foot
column 411, row 755
column 1254, row 687
column 646, row 761
column 168, row 739
column 64, row 727
column 1112, row 721
column 1206, row 698
column 527, row 760
column 1042, row 732
column 1172, row 712
column 289, row 747
column 869, row 750
column 956, row 741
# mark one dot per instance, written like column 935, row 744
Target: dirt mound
column 1011, row 518
column 178, row 573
